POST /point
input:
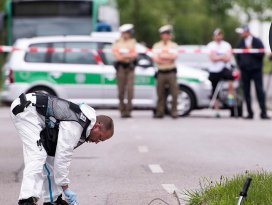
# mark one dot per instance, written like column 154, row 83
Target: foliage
column 256, row 9
column 226, row 191
column 2, row 4
column 193, row 20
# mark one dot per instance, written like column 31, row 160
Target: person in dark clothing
column 251, row 65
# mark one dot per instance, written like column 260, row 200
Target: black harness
column 46, row 106
column 23, row 104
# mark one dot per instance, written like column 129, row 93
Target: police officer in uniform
column 124, row 50
column 50, row 128
column 165, row 53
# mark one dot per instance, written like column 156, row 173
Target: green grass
column 267, row 65
column 2, row 60
column 226, row 191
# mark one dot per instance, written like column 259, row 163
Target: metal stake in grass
column 243, row 193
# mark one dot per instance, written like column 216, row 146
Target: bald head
column 107, row 124
column 102, row 130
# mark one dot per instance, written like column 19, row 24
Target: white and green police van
column 77, row 76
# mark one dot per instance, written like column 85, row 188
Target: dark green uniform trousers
column 125, row 84
column 170, row 80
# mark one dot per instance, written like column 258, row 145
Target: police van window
column 57, row 57
column 107, row 55
column 37, row 57
column 80, row 57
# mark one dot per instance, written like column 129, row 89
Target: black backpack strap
column 83, row 136
column 88, row 122
column 83, row 121
column 41, row 103
column 23, row 104
column 74, row 107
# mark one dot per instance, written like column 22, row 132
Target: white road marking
column 170, row 188
column 143, row 149
column 155, row 168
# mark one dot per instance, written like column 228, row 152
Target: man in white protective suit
column 50, row 129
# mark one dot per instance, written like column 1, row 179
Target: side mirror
column 144, row 63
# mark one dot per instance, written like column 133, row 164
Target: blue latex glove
column 70, row 196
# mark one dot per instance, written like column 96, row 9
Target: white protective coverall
column 44, row 175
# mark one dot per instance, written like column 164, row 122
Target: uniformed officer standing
column 124, row 50
column 165, row 53
column 251, row 65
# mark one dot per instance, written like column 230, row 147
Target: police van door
column 145, row 88
column 110, row 94
column 72, row 75
column 83, row 73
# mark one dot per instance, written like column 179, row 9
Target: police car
column 79, row 77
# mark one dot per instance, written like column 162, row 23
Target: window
column 39, row 57
column 80, row 57
column 57, row 57
column 47, row 18
column 52, row 8
column 107, row 56
column 62, row 57
column 27, row 27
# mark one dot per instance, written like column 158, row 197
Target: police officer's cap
column 166, row 29
column 126, row 28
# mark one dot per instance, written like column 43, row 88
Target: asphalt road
column 148, row 158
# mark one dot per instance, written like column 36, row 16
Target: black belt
column 23, row 104
column 173, row 70
column 125, row 65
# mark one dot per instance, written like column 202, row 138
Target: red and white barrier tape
column 246, row 50
column 95, row 52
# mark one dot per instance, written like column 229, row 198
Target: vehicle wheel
column 186, row 101
column 43, row 90
column 6, row 104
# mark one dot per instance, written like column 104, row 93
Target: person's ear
column 95, row 126
column 98, row 125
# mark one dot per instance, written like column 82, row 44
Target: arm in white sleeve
column 228, row 55
column 69, row 134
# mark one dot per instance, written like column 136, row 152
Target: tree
column 193, row 20
column 256, row 9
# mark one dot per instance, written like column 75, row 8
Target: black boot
column 264, row 116
column 29, row 201
column 59, row 201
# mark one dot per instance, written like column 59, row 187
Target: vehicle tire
column 43, row 90
column 6, row 104
column 186, row 101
